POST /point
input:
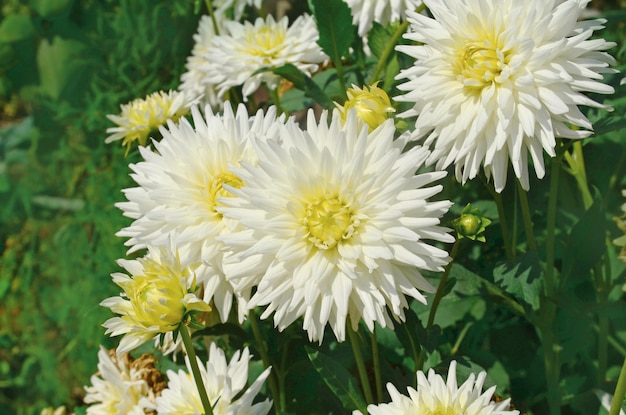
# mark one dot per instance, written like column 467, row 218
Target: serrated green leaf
column 339, row 380
column 585, row 245
column 303, row 82
column 16, row 27
column 521, row 278
column 334, row 23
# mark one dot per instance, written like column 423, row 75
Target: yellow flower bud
column 156, row 299
column 372, row 105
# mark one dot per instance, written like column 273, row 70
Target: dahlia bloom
column 365, row 12
column 122, row 385
column 182, row 183
column 497, row 80
column 157, row 296
column 341, row 222
column 244, row 48
column 224, row 381
column 141, row 116
column 195, row 82
column 434, row 395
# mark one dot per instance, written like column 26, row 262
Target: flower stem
column 195, row 369
column 504, row 227
column 419, row 364
column 620, row 391
column 526, row 217
column 376, row 359
column 360, row 365
column 209, row 6
column 390, row 46
column 262, row 347
column 547, row 307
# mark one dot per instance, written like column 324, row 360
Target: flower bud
column 471, row 224
column 371, row 104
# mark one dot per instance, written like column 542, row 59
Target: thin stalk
column 195, row 369
column 390, row 46
column 442, row 283
column 459, row 340
column 504, row 227
column 360, row 365
column 526, row 217
column 576, row 162
column 551, row 225
column 613, row 342
column 262, row 346
column 419, row 364
column 209, row 6
column 276, row 99
column 548, row 308
column 620, row 391
column 376, row 359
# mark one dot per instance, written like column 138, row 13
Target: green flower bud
column 471, row 224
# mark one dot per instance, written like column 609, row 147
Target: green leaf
column 615, row 121
column 521, row 278
column 222, row 329
column 334, row 23
column 585, row 245
column 303, row 82
column 339, row 380
column 57, row 65
column 16, row 27
column 378, row 39
column 50, row 8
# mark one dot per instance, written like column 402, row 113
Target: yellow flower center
column 216, row 188
column 265, row 42
column 329, row 221
column 481, row 63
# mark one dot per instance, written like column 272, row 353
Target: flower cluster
column 331, row 219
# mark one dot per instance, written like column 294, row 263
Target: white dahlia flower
column 341, row 222
column 365, row 12
column 434, row 395
column 224, row 382
column 244, row 48
column 195, row 82
column 118, row 387
column 496, row 80
column 181, row 185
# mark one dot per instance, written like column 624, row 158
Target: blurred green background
column 64, row 65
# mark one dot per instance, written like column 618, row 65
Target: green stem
column 620, row 391
column 390, row 46
column 527, row 218
column 276, row 99
column 576, row 164
column 613, row 342
column 262, row 347
column 195, row 369
column 504, row 227
column 548, row 308
column 209, row 6
column 419, row 363
column 459, row 339
column 549, row 282
column 442, row 284
column 360, row 365
column 376, row 359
